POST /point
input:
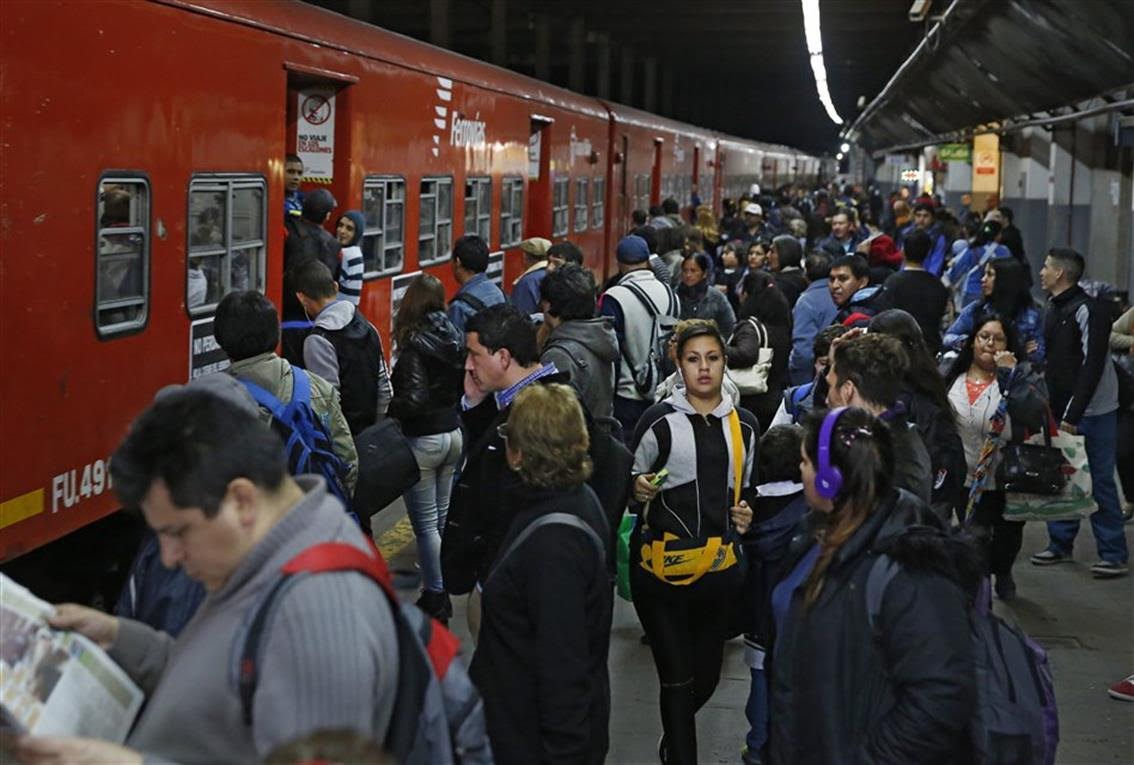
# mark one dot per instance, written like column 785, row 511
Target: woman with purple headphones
column 844, row 691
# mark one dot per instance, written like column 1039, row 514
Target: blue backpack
column 309, row 447
column 1015, row 718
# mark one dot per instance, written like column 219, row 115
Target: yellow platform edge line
column 21, row 508
column 395, row 539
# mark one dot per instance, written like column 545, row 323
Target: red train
column 142, row 178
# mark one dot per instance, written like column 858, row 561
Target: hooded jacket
column 349, row 275
column 346, row 351
column 703, row 301
column 428, row 378
column 587, row 350
column 904, row 693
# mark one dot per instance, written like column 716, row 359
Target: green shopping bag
column 622, row 556
column 1075, row 501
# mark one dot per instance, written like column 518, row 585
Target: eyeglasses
column 989, row 339
column 502, row 431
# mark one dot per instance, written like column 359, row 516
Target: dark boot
column 436, row 605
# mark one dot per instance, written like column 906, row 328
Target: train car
column 143, row 180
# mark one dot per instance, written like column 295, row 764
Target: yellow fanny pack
column 682, row 561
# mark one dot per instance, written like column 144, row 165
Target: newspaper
column 54, row 682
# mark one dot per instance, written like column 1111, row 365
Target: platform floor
column 1086, row 625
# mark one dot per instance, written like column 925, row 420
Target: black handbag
column 1033, row 468
column 386, row 467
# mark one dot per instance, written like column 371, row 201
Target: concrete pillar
column 577, row 55
column 542, row 49
column 499, row 32
column 650, row 85
column 439, row 22
column 602, row 62
column 626, row 80
column 667, row 91
column 1069, row 196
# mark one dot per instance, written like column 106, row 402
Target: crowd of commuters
column 778, row 398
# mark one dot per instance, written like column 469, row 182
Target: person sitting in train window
column 198, row 286
column 306, row 240
column 213, row 483
column 525, row 290
column 343, row 348
column 470, row 261
column 247, row 328
column 293, row 197
column 579, row 343
column 349, row 231
column 562, row 253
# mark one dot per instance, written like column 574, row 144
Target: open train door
column 656, row 173
column 539, row 178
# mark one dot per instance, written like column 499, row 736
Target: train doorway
column 539, row 178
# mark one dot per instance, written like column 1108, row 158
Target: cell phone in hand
column 659, row 478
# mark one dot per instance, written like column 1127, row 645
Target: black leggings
column 686, row 627
column 1000, row 539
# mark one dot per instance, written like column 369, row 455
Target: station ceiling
column 737, row 66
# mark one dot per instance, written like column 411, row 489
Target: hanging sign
column 534, row 149
column 955, row 152
column 315, row 133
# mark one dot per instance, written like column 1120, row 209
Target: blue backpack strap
column 263, row 398
column 882, row 571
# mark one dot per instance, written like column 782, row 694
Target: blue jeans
column 1101, row 435
column 427, row 502
column 756, row 710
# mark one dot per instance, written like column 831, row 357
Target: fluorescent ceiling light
column 815, row 52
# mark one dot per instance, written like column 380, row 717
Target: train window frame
column 230, row 183
column 511, row 224
column 384, row 245
column 598, row 201
column 438, row 220
column 115, row 329
column 560, row 207
column 482, row 207
column 582, row 204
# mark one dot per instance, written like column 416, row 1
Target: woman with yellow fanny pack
column 694, row 455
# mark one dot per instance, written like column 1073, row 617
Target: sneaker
column 1123, row 690
column 1106, row 569
column 1049, row 557
column 1005, row 587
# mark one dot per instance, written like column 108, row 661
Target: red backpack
column 438, row 715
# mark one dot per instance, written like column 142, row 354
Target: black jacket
column 541, row 657
column 306, row 241
column 743, row 350
column 428, row 379
column 792, row 283
column 1075, row 379
column 906, row 694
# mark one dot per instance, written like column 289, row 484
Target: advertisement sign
column 315, row 133
column 955, row 152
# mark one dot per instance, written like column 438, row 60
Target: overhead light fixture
column 815, row 52
column 839, row 156
column 844, row 148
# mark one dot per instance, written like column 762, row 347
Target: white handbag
column 753, row 380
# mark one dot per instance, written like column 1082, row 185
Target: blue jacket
column 525, row 290
column 479, row 288
column 1029, row 326
column 813, row 311
column 970, row 268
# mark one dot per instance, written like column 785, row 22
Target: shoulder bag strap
column 882, row 571
column 561, row 519
column 737, row 454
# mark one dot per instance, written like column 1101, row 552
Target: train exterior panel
column 143, row 179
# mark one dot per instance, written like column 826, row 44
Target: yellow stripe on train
column 21, row 508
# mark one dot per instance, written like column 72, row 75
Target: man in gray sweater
column 212, row 482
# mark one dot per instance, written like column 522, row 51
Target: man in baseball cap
column 525, row 290
column 754, row 227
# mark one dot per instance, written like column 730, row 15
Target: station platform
column 1086, row 625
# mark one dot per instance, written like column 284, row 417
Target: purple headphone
column 828, row 478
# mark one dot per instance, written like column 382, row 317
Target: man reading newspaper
column 212, row 482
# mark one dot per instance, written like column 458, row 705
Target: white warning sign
column 315, row 133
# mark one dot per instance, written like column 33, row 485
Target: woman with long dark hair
column 765, row 322
column 843, row 690
column 1004, row 291
column 683, row 568
column 428, row 381
column 965, row 272
column 987, row 373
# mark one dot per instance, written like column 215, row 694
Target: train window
column 598, row 202
column 435, row 221
column 559, row 208
column 582, row 203
column 226, row 227
column 478, row 207
column 383, row 207
column 122, row 262
column 512, row 212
